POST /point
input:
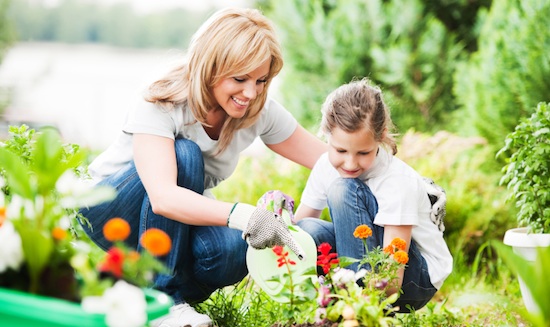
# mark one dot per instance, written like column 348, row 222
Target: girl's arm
column 302, row 147
column 155, row 161
column 304, row 211
column 391, row 232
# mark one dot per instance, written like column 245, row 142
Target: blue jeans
column 202, row 259
column 351, row 203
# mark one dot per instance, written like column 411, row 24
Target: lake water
column 83, row 90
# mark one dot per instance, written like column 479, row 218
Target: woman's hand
column 262, row 228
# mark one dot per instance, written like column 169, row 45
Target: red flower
column 326, row 259
column 283, row 256
column 113, row 262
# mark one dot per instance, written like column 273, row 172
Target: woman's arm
column 302, row 147
column 156, row 165
column 391, row 232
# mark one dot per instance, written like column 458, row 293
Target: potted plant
column 50, row 273
column 526, row 175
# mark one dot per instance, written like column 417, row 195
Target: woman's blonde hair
column 358, row 105
column 232, row 42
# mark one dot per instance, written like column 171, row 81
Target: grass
column 464, row 301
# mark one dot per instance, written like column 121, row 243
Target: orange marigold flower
column 2, row 215
column 388, row 249
column 133, row 256
column 399, row 243
column 59, row 233
column 156, row 241
column 116, row 229
column 401, row 256
column 362, row 231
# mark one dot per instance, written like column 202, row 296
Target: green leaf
column 38, row 246
column 532, row 274
column 17, row 174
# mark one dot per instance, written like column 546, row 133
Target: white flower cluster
column 11, row 251
column 123, row 304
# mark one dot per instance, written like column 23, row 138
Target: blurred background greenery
column 457, row 74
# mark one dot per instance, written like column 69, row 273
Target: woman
column 183, row 140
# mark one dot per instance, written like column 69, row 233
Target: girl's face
column 234, row 93
column 352, row 153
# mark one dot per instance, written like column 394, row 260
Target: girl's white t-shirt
column 402, row 200
column 274, row 125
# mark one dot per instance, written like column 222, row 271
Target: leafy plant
column 297, row 293
column 40, row 194
column 527, row 173
column 533, row 273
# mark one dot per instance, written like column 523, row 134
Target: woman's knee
column 219, row 255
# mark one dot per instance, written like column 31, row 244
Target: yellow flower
column 156, row 241
column 362, row 232
column 116, row 229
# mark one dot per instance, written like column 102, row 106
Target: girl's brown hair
column 358, row 105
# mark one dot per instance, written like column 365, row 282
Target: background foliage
column 458, row 76
column 74, row 21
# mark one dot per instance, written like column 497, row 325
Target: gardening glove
column 262, row 228
column 276, row 201
column 438, row 199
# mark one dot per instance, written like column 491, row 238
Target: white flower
column 11, row 251
column 21, row 207
column 343, row 276
column 76, row 192
column 123, row 304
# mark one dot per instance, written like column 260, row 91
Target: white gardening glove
column 262, row 228
column 438, row 199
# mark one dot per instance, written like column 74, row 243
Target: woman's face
column 352, row 153
column 234, row 93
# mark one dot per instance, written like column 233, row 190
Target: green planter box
column 27, row 310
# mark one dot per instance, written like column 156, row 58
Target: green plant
column 508, row 75
column 42, row 187
column 362, row 298
column 297, row 293
column 527, row 173
column 40, row 198
column 533, row 274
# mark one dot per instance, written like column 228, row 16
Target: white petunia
column 343, row 276
column 123, row 304
column 11, row 251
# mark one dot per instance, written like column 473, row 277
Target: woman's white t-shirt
column 274, row 125
column 402, row 200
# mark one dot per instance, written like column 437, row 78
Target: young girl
column 363, row 183
column 183, row 140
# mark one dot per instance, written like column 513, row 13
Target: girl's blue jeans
column 351, row 203
column 202, row 258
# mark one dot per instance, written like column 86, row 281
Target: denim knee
column 320, row 230
column 219, row 255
